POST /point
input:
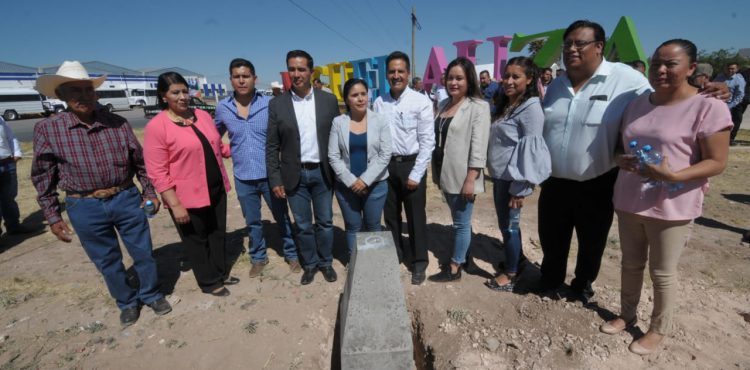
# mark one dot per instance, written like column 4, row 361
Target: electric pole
column 413, row 34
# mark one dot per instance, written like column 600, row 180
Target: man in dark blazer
column 299, row 122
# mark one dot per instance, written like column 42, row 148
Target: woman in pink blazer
column 183, row 153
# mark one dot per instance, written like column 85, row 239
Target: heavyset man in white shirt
column 413, row 134
column 582, row 118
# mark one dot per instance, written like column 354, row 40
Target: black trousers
column 204, row 241
column 737, row 113
column 413, row 202
column 583, row 206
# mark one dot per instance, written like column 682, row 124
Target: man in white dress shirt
column 299, row 122
column 10, row 153
column 582, row 119
column 413, row 133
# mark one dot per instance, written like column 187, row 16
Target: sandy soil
column 56, row 312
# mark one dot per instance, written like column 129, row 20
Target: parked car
column 152, row 110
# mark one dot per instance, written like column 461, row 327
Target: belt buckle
column 103, row 193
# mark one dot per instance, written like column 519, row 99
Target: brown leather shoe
column 295, row 267
column 257, row 269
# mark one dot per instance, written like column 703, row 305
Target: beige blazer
column 465, row 145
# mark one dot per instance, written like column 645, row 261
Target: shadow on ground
column 714, row 224
column 34, row 221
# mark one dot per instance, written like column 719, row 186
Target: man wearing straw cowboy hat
column 92, row 155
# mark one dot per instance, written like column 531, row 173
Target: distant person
column 736, row 84
column 546, row 79
column 359, row 150
column 409, row 115
column 276, row 88
column 318, row 84
column 299, row 124
column 489, row 89
column 691, row 131
column 518, row 158
column 184, row 161
column 746, row 99
column 559, row 73
column 92, row 155
column 418, row 86
column 702, row 75
column 638, row 65
column 244, row 115
column 10, row 153
column 462, row 130
column 441, row 93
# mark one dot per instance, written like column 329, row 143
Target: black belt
column 7, row 160
column 310, row 165
column 404, row 158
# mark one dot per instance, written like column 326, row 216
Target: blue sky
column 204, row 36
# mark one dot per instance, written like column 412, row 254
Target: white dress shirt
column 304, row 111
column 9, row 146
column 412, row 128
column 581, row 128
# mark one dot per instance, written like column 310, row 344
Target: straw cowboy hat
column 68, row 71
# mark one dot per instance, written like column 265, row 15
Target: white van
column 113, row 99
column 17, row 101
column 141, row 97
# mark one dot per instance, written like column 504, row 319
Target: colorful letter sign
column 623, row 45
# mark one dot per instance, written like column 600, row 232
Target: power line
column 402, row 6
column 329, row 27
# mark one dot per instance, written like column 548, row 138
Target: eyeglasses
column 579, row 44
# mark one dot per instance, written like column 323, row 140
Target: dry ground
column 56, row 312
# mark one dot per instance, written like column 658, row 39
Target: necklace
column 443, row 120
column 177, row 119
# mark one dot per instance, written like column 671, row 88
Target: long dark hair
column 472, row 86
column 348, row 86
column 162, row 85
column 532, row 73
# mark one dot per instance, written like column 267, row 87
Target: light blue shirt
column 736, row 85
column 581, row 128
column 9, row 146
column 247, row 137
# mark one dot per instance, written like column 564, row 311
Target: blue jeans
column 511, row 241
column 461, row 213
column 249, row 193
column 315, row 242
column 359, row 210
column 8, row 192
column 95, row 221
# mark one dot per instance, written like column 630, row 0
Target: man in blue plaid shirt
column 244, row 114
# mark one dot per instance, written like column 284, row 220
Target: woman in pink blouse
column 655, row 217
column 183, row 154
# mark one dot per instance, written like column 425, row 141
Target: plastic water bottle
column 649, row 156
column 150, row 209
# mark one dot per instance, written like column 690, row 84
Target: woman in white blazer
column 462, row 130
column 359, row 150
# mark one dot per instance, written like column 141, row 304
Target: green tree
column 720, row 59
